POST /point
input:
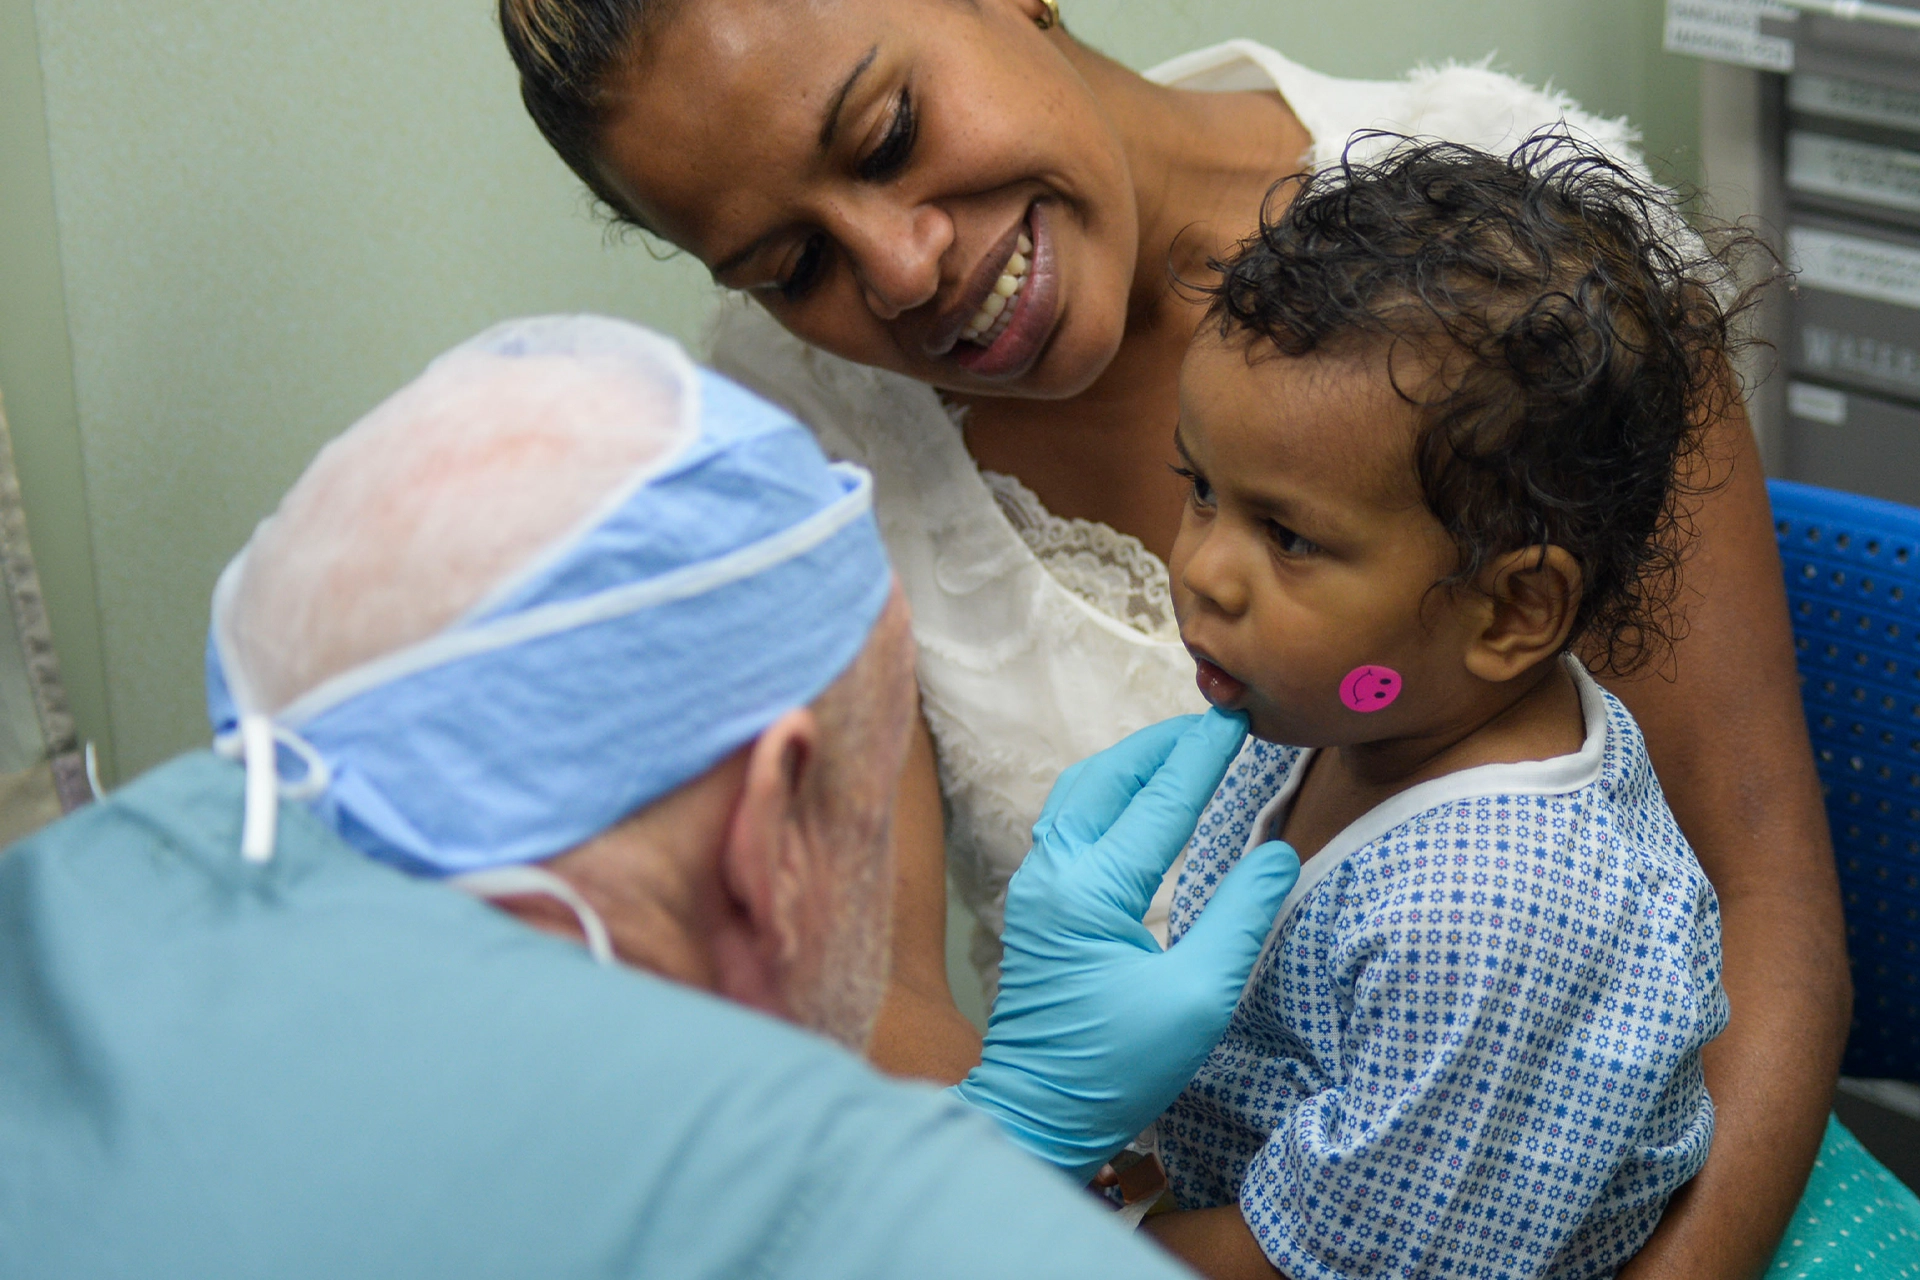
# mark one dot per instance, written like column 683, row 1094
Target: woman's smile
column 996, row 312
column 1018, row 309
column 970, row 314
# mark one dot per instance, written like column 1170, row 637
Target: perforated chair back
column 1853, row 585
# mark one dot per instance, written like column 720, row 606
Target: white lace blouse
column 1043, row 640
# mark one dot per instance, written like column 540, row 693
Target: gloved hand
column 1096, row 1029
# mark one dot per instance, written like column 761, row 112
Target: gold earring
column 1049, row 16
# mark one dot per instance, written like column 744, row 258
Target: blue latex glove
column 1096, row 1029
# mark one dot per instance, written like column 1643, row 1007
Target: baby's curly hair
column 1580, row 330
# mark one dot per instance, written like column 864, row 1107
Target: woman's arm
column 1214, row 1242
column 1729, row 741
column 920, row 1031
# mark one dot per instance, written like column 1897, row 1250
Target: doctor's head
column 869, row 170
column 567, row 603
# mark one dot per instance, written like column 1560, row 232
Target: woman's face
column 870, row 170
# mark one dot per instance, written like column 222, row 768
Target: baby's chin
column 1271, row 725
column 1271, row 720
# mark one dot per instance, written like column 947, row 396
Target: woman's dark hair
column 1578, row 333
column 566, row 50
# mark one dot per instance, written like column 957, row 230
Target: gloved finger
column 1143, row 842
column 1093, row 793
column 1226, row 941
column 1056, row 797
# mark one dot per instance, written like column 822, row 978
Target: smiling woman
column 959, row 229
column 820, row 201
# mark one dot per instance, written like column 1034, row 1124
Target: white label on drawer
column 1817, row 404
column 1842, row 99
column 1859, row 356
column 1852, row 170
column 1729, row 31
column 1856, row 266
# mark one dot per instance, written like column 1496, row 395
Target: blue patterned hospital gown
column 1473, row 1047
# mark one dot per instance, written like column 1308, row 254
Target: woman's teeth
column 996, row 313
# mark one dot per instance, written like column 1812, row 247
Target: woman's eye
column 806, row 270
column 1289, row 542
column 1198, row 489
column 887, row 159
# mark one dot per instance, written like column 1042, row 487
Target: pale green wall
column 36, row 372
column 269, row 216
column 234, row 227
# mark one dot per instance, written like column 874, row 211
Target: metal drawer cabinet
column 1856, row 307
column 1852, row 441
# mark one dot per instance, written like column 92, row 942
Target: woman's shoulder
column 1470, row 104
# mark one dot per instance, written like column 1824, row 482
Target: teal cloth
column 1855, row 1220
column 321, row 1067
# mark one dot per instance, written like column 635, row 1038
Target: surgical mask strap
column 512, row 882
column 256, row 744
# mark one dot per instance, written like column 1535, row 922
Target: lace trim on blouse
column 1112, row 571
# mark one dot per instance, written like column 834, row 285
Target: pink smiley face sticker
column 1370, row 688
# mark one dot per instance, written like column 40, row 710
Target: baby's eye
column 1199, row 490
column 1289, row 542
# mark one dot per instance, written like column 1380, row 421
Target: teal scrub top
column 322, row 1067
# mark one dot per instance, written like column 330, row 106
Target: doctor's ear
column 765, row 864
column 1528, row 600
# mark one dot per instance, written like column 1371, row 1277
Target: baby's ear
column 1531, row 597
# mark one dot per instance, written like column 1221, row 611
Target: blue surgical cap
column 719, row 589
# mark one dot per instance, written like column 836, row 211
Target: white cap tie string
column 257, row 745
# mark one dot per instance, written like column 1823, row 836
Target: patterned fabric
column 1856, row 1219
column 1473, row 1046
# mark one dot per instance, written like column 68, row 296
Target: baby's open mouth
column 1217, row 686
column 996, row 313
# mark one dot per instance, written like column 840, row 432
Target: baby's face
column 1304, row 571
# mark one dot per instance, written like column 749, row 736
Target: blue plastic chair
column 1853, row 584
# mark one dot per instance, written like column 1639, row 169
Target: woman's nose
column 896, row 257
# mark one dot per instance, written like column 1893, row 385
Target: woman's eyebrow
column 831, row 123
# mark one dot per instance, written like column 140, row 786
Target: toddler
column 1437, row 433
